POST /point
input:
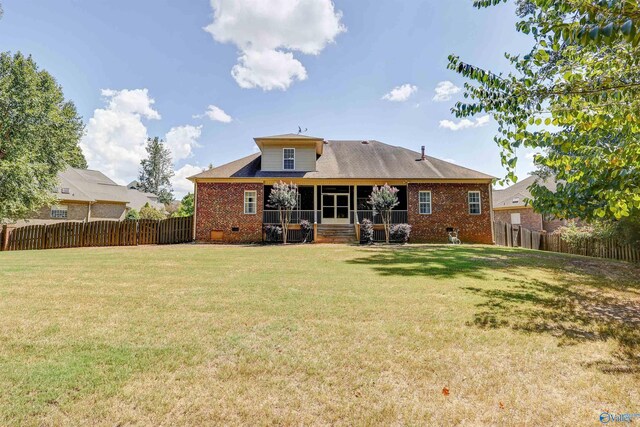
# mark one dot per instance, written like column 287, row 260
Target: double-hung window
column 425, row 202
column 474, row 203
column 250, row 198
column 288, row 159
column 59, row 211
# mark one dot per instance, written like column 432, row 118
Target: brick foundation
column 449, row 206
column 220, row 207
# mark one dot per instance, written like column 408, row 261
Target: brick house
column 511, row 207
column 89, row 195
column 334, row 179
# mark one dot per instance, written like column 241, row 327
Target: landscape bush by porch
column 366, row 232
column 401, row 232
column 273, row 233
column 307, row 231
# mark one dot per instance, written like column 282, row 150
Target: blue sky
column 145, row 68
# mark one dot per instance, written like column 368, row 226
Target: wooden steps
column 336, row 233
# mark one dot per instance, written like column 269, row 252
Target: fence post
column 4, row 243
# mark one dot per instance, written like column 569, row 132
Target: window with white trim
column 250, row 203
column 288, row 159
column 424, row 202
column 474, row 203
column 59, row 211
column 515, row 219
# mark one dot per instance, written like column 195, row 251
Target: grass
column 316, row 334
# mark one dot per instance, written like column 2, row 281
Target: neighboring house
column 335, row 179
column 89, row 195
column 510, row 206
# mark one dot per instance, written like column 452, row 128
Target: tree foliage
column 284, row 198
column 382, row 200
column 132, row 214
column 156, row 171
column 186, row 206
column 575, row 98
column 149, row 212
column 39, row 136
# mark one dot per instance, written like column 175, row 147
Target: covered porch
column 335, row 204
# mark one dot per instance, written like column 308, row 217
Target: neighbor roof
column 86, row 185
column 513, row 197
column 354, row 159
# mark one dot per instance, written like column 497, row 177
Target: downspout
column 493, row 235
column 195, row 207
column 89, row 212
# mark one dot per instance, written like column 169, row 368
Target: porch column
column 315, row 203
column 355, row 203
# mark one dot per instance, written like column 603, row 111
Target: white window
column 250, row 202
column 64, row 190
column 288, row 159
column 515, row 219
column 474, row 203
column 59, row 211
column 425, row 202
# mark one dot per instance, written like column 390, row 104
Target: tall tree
column 39, row 136
column 575, row 98
column 156, row 171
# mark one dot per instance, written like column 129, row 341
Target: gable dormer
column 289, row 153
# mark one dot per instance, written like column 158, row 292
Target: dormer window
column 288, row 159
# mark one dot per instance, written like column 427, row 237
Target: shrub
column 273, row 233
column 366, row 232
column 307, row 231
column 132, row 214
column 575, row 235
column 401, row 232
column 149, row 212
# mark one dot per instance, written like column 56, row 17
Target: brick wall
column 220, row 206
column 528, row 218
column 450, row 208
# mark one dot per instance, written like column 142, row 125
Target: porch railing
column 273, row 217
column 397, row 217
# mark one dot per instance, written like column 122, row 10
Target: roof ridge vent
column 364, row 142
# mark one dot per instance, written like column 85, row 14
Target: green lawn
column 316, row 334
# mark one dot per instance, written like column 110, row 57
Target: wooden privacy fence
column 97, row 233
column 516, row 236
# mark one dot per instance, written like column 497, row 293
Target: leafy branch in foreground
column 575, row 98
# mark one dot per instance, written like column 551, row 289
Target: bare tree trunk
column 284, row 221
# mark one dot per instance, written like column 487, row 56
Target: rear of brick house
column 334, row 180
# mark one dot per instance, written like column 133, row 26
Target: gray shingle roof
column 513, row 197
column 86, row 185
column 354, row 159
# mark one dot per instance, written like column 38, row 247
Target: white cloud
column 465, row 123
column 270, row 69
column 268, row 32
column 181, row 140
column 400, row 93
column 115, row 136
column 181, row 185
column 216, row 114
column 445, row 90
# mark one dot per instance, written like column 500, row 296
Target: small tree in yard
column 149, row 212
column 284, row 198
column 382, row 200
